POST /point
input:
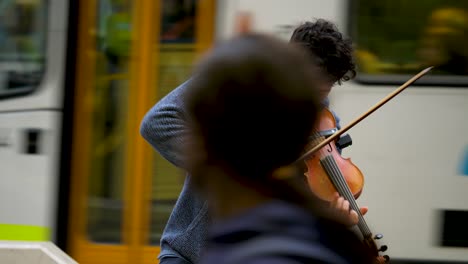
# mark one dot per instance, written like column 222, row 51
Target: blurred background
column 76, row 78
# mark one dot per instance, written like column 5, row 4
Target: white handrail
column 27, row 252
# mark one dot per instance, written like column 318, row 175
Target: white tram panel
column 29, row 175
column 29, row 154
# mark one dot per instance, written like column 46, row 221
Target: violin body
column 318, row 179
column 328, row 172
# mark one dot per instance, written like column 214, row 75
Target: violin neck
column 338, row 180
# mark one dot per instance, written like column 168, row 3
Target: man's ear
column 244, row 23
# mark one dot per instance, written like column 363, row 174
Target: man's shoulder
column 326, row 102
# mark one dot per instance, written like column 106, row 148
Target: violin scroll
column 369, row 242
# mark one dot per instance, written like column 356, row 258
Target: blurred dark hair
column 330, row 50
column 254, row 102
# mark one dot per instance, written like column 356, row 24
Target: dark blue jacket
column 280, row 233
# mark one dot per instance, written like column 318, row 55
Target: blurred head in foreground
column 254, row 102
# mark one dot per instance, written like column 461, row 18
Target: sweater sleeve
column 326, row 103
column 166, row 127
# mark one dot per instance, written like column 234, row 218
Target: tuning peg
column 378, row 236
column 383, row 248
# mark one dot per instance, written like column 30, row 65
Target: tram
column 76, row 78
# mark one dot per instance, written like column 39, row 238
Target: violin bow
column 370, row 111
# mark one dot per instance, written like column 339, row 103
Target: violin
column 328, row 172
column 327, row 162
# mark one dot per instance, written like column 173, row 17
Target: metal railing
column 27, row 252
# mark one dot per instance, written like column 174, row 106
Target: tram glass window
column 178, row 21
column 177, row 52
column 397, row 38
column 110, row 94
column 22, row 48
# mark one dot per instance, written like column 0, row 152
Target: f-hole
column 329, row 149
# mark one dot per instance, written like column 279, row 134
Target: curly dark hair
column 331, row 51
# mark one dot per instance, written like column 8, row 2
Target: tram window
column 453, row 231
column 22, row 49
column 178, row 21
column 177, row 53
column 106, row 204
column 397, row 38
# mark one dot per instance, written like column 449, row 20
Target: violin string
column 342, row 187
column 338, row 180
column 350, row 197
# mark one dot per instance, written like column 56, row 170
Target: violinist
column 333, row 53
column 246, row 131
column 165, row 127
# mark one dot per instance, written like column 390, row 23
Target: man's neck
column 229, row 197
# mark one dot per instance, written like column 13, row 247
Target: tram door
column 130, row 54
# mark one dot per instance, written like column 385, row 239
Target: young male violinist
column 166, row 128
column 261, row 210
